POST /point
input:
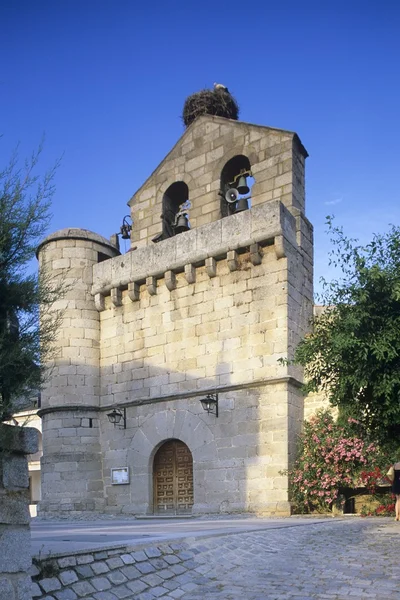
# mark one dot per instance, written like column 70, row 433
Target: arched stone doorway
column 173, row 479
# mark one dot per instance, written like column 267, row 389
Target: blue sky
column 105, row 81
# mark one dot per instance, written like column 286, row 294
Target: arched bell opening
column 175, row 206
column 173, row 479
column 235, row 186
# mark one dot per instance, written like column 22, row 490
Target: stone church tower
column 187, row 315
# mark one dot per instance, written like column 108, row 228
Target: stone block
column 151, row 285
column 116, row 296
column 23, row 440
column 255, row 254
column 15, row 472
column 83, row 588
column 134, row 291
column 211, row 267
column 170, row 280
column 232, row 260
column 14, row 509
column 190, row 273
column 6, row 588
column 15, row 549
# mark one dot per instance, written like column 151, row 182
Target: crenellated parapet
column 249, row 231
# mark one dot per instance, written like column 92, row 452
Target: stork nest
column 210, row 102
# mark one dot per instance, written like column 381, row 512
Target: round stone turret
column 71, row 466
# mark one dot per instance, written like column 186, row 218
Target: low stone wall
column 15, row 554
column 142, row 572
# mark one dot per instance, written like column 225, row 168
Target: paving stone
column 83, row 588
column 66, row 561
column 100, row 555
column 139, row 556
column 158, row 591
column 184, row 578
column 84, row 559
column 68, row 577
column 185, row 555
column 67, row 594
column 178, row 569
column 100, row 567
column 152, row 580
column 189, row 564
column 189, row 587
column 158, row 563
column 334, row 559
column 178, row 593
column 177, row 547
column 131, row 572
column 105, row 596
column 172, row 559
column 127, row 559
column 50, row 584
column 145, row 567
column 116, row 577
column 115, row 562
column 100, row 583
column 152, row 552
column 165, row 549
column 165, row 574
column 84, row 570
column 171, row 584
column 121, row 591
column 136, row 586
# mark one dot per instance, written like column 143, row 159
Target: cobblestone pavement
column 329, row 560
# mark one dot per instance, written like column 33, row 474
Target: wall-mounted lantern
column 116, row 416
column 210, row 404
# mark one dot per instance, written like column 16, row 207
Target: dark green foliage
column 353, row 354
column 24, row 217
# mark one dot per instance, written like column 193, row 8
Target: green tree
column 353, row 352
column 24, row 217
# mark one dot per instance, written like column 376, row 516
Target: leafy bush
column 331, row 459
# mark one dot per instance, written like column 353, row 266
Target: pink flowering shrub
column 331, row 458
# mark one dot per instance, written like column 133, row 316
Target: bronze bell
column 242, row 186
column 241, row 205
column 182, row 224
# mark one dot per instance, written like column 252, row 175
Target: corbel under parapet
column 116, row 296
column 232, row 259
column 170, row 280
column 211, row 266
column 279, row 244
column 134, row 291
column 256, row 254
column 99, row 302
column 151, row 284
column 190, row 273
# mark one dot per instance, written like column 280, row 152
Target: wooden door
column 173, row 479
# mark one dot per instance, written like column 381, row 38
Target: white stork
column 220, row 86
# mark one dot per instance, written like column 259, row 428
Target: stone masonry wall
column 222, row 325
column 71, row 462
column 277, row 160
column 206, row 311
column 15, row 555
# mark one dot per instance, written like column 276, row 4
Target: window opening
column 175, row 215
column 236, row 183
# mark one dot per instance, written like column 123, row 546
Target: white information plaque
column 120, row 476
